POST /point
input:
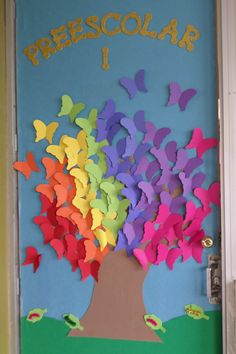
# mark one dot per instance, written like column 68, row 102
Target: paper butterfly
column 44, row 131
column 88, row 124
column 32, row 257
column 182, row 98
column 28, row 166
column 132, row 86
column 201, row 144
column 68, row 108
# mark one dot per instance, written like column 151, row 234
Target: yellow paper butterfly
column 104, row 238
column 57, row 151
column 44, row 131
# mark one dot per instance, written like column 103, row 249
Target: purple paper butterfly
column 132, row 86
column 182, row 98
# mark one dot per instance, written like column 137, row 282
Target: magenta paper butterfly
column 182, row 98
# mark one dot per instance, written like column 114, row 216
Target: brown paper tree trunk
column 116, row 310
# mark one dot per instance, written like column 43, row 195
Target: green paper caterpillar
column 154, row 322
column 36, row 315
column 72, row 322
column 195, row 312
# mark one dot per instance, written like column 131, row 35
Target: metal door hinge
column 213, row 274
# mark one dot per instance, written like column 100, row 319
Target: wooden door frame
column 9, row 278
column 9, row 308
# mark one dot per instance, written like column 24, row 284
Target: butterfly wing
column 161, row 158
column 129, row 85
column 171, row 149
column 57, row 151
column 196, row 139
column 66, row 106
column 50, row 131
column 141, row 257
column 31, row 162
column 58, row 246
column 205, row 145
column 61, row 193
column 93, row 117
column 150, row 132
column 84, row 124
column 139, row 120
column 77, row 108
column 174, row 93
column 108, row 110
column 160, row 135
column 129, row 125
column 23, row 167
column 40, row 129
column 140, row 80
column 32, row 257
column 185, row 97
column 46, row 190
column 147, row 190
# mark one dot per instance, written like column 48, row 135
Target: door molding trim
column 227, row 116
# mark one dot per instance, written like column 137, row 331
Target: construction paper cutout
column 161, row 158
column 61, row 193
column 172, row 256
column 160, row 135
column 105, row 63
column 129, row 125
column 201, row 144
column 36, row 315
column 150, row 132
column 141, row 151
column 148, row 190
column 132, row 86
column 162, row 252
column 129, row 232
column 44, row 131
column 171, row 151
column 198, row 179
column 139, row 121
column 68, row 108
column 88, row 124
column 46, row 190
column 108, row 110
column 130, row 147
column 212, row 195
column 141, row 167
column 186, row 182
column 104, row 238
column 182, row 98
column 141, row 257
column 152, row 168
column 214, row 192
column 32, row 257
column 58, row 246
column 48, row 231
column 52, row 166
column 57, row 151
column 72, row 322
column 191, row 165
column 28, row 166
column 195, row 312
column 154, row 322
column 97, row 218
column 182, row 159
column 45, row 203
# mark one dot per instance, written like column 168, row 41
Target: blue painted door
column 118, row 183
